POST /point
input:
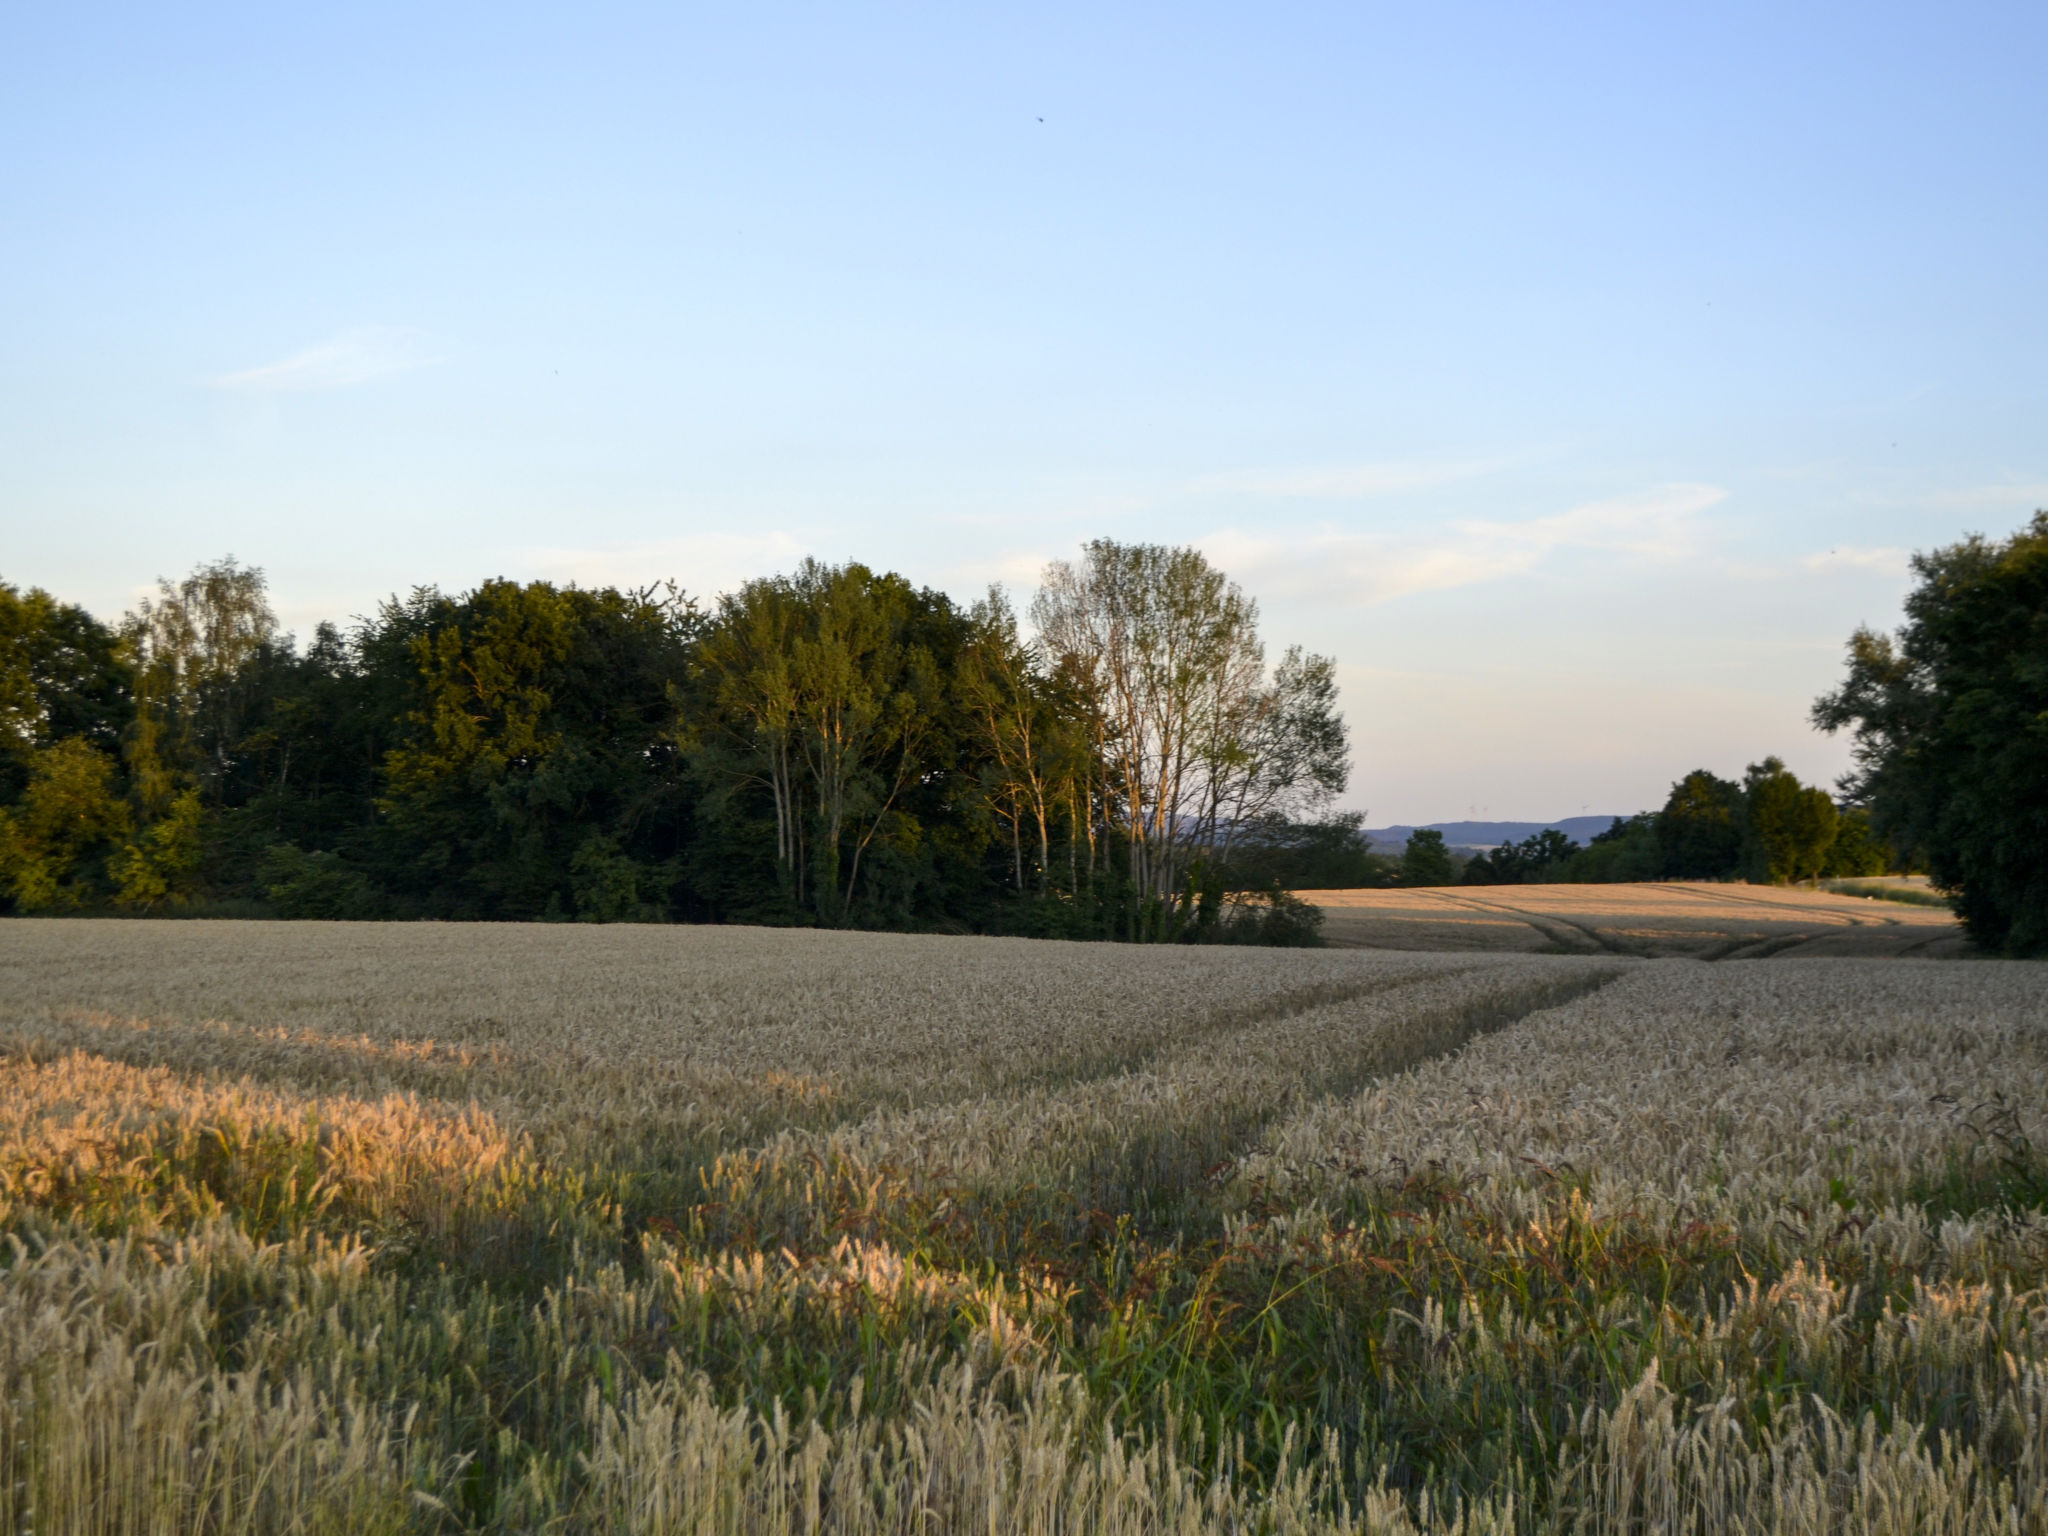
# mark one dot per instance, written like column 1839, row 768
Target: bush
column 1273, row 917
column 316, row 885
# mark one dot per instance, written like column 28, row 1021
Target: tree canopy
column 1949, row 718
column 832, row 746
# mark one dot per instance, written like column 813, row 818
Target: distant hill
column 1487, row 834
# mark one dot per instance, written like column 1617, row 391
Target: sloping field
column 1706, row 921
column 334, row 1228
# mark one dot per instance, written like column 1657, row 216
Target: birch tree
column 191, row 646
column 747, row 657
column 1195, row 737
column 1034, row 733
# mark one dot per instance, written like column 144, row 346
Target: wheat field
column 448, row 1228
column 1696, row 919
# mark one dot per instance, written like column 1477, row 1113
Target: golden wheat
column 1747, row 1093
column 334, row 1228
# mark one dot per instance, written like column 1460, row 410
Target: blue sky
column 1577, row 376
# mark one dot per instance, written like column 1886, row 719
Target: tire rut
column 1558, row 930
column 1178, row 1164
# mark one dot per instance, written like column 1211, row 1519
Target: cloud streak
column 1356, row 570
column 2018, row 497
column 1343, row 482
column 1885, row 559
column 354, row 357
column 702, row 564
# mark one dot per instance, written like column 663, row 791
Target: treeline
column 834, row 747
column 1949, row 719
column 1766, row 828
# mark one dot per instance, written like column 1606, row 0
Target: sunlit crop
column 443, row 1228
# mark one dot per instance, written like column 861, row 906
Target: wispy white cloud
column 702, row 564
column 1658, row 525
column 1343, row 482
column 2021, row 498
column 1016, row 569
column 1887, row 559
column 354, row 357
column 1359, row 569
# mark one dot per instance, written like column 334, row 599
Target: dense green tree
column 1788, row 826
column 161, row 865
column 1769, row 827
column 1950, row 721
column 58, row 837
column 833, row 746
column 1535, row 858
column 307, row 768
column 1031, row 736
column 1699, row 829
column 540, row 731
column 1857, row 850
column 62, row 677
column 827, row 691
column 298, row 884
column 1627, row 851
column 1426, row 861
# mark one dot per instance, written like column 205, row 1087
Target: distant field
column 1706, row 921
column 353, row 1229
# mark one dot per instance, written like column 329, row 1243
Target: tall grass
column 1390, row 1244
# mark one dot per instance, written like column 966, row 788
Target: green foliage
column 1535, row 858
column 1329, row 854
column 1273, row 916
column 833, row 747
column 1857, row 851
column 540, row 717
column 1790, row 827
column 1426, row 861
column 55, row 842
column 1628, row 850
column 611, row 886
column 1769, row 827
column 827, row 689
column 1950, row 721
column 315, row 885
column 1699, row 830
column 62, row 677
column 1033, row 725
column 193, row 649
column 159, row 866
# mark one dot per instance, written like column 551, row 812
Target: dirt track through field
column 1696, row 919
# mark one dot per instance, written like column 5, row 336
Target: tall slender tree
column 831, row 697
column 1033, row 736
column 191, row 647
column 1194, row 739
